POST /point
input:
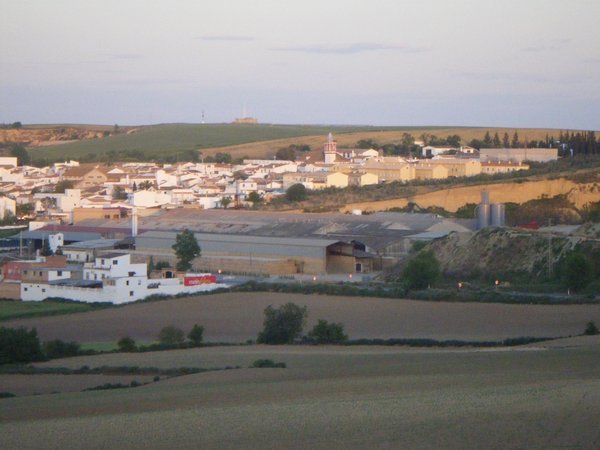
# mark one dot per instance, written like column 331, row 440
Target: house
column 362, row 179
column 517, row 155
column 494, row 167
column 83, row 177
column 111, row 278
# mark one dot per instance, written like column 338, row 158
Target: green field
column 160, row 141
column 11, row 309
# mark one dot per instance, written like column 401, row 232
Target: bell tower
column 330, row 150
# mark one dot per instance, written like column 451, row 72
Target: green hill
column 162, row 141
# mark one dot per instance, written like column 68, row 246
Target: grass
column 166, row 141
column 11, row 309
column 160, row 141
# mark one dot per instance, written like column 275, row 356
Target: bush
column 591, row 329
column 19, row 346
column 268, row 364
column 196, row 335
column 171, row 336
column 127, row 344
column 327, row 333
column 282, row 325
column 61, row 349
column 296, row 193
column 422, row 271
column 578, row 270
column 7, row 395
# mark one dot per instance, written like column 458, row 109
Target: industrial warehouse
column 269, row 243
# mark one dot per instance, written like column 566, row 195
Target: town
column 94, row 218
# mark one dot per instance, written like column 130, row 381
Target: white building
column 112, row 278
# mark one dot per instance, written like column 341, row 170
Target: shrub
column 171, row 336
column 591, row 329
column 328, row 333
column 296, row 193
column 196, row 335
column 422, row 271
column 127, row 344
column 7, row 395
column 578, row 270
column 268, row 364
column 19, row 345
column 61, row 349
column 160, row 265
column 282, row 325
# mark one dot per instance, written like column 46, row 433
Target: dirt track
column 237, row 317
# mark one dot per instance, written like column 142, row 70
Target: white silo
column 498, row 214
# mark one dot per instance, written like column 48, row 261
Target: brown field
column 329, row 397
column 48, row 384
column 237, row 317
column 266, row 149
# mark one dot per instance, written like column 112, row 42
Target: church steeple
column 330, row 150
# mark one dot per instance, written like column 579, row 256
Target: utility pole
column 549, row 251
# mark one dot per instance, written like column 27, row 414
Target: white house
column 114, row 279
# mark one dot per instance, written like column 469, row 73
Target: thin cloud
column 358, row 47
column 127, row 56
column 500, row 76
column 224, row 37
column 549, row 46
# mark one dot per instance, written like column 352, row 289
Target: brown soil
column 237, row 317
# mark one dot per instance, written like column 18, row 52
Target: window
column 102, row 261
column 115, row 262
column 131, row 293
column 43, row 290
column 25, row 289
column 139, row 282
column 59, row 273
column 127, row 283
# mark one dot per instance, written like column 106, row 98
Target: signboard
column 199, row 279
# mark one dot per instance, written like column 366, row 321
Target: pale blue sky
column 429, row 62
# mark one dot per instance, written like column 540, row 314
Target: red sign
column 199, row 279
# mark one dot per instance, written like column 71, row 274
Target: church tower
column 330, row 150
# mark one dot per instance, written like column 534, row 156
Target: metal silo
column 498, row 214
column 485, row 197
column 483, row 215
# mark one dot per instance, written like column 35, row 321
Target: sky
column 526, row 63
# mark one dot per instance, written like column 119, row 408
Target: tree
column 255, row 198
column 296, row 193
column 422, row 271
column 327, row 333
column 506, row 141
column 577, row 270
column 46, row 250
column 487, row 139
column 171, row 336
column 196, row 335
column 151, row 266
column 62, row 185
column 282, row 325
column 496, row 140
column 515, row 140
column 286, row 154
column 591, row 329
column 454, row 140
column 23, row 158
column 145, row 185
column 119, row 193
column 225, row 201
column 224, row 158
column 61, row 349
column 19, row 345
column 126, row 344
column 186, row 248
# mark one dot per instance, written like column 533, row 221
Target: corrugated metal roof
column 246, row 239
column 73, row 236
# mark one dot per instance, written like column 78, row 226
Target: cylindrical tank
column 498, row 214
column 485, row 197
column 483, row 215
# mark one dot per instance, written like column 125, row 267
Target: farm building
column 517, row 155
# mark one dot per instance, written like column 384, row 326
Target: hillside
column 256, row 141
column 511, row 252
